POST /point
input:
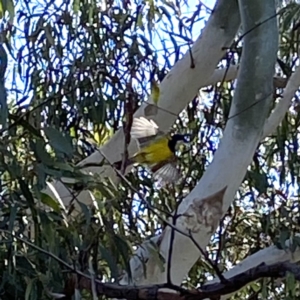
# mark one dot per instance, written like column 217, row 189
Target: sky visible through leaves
column 18, row 41
column 205, row 117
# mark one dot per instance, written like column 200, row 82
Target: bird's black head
column 175, row 139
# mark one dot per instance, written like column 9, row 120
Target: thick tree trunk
column 203, row 208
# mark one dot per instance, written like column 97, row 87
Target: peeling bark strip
column 205, row 212
column 158, row 291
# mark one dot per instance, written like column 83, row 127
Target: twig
column 220, row 241
column 172, row 236
column 192, row 65
column 128, row 107
column 213, row 265
column 208, row 10
column 228, row 63
column 211, row 291
column 62, row 262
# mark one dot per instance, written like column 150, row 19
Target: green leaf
column 260, row 181
column 64, row 167
column 59, row 141
column 49, row 171
column 49, row 232
column 40, row 151
column 47, row 200
column 139, row 22
column 73, row 132
column 98, row 112
column 264, row 289
column 49, row 36
column 85, row 211
column 284, row 235
column 3, row 94
column 155, row 92
column 76, row 6
column 296, row 240
column 54, row 216
column 26, row 125
column 294, row 243
column 26, row 192
column 291, row 282
column 29, row 288
column 125, row 252
column 12, row 216
column 91, row 14
column 1, row 10
column 255, row 286
column 25, row 266
column 155, row 254
column 7, row 5
column 110, row 261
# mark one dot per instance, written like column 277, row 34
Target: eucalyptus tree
column 74, row 74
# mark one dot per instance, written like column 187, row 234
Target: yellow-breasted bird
column 156, row 150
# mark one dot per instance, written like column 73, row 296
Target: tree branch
column 158, row 291
column 212, row 291
column 282, row 107
column 268, row 256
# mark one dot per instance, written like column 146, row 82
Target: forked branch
column 212, row 291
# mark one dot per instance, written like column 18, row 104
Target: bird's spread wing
column 142, row 127
column 144, row 131
column 146, row 141
column 168, row 173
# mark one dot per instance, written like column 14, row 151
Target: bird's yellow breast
column 154, row 153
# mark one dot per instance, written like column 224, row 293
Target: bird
column 156, row 150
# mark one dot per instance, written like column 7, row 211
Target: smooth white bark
column 269, row 256
column 283, row 105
